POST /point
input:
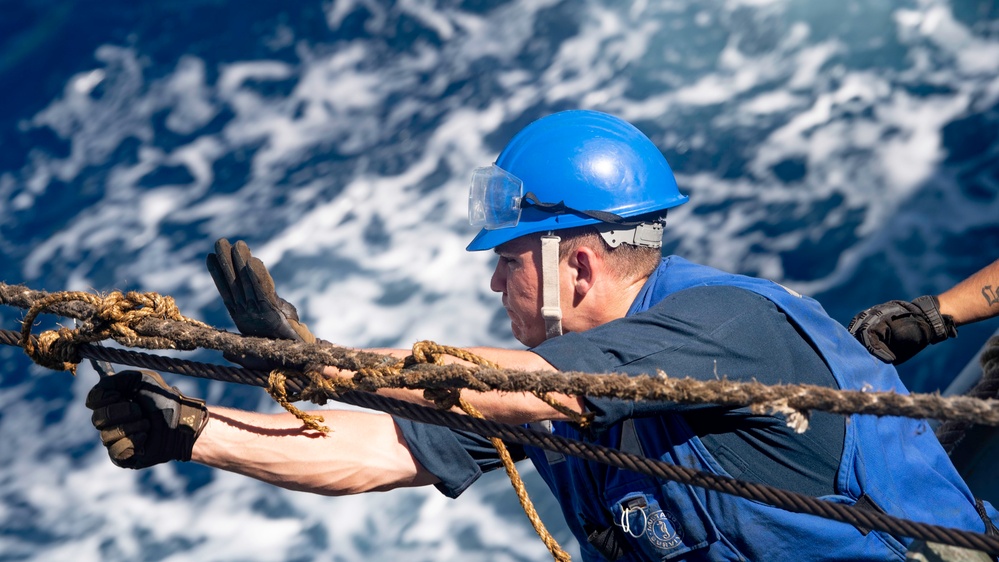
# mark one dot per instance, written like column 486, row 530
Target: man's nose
column 498, row 281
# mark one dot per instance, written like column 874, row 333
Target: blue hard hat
column 577, row 168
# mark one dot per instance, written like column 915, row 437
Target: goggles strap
column 560, row 208
column 614, row 229
column 551, row 308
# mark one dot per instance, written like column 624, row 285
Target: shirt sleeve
column 456, row 458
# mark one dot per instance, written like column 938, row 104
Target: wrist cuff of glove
column 942, row 325
column 193, row 419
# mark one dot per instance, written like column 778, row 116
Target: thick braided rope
column 722, row 392
column 118, row 318
column 651, row 467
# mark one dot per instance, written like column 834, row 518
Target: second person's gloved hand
column 897, row 330
column 249, row 295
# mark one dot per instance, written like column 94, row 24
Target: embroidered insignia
column 663, row 531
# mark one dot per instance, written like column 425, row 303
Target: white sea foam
column 359, row 211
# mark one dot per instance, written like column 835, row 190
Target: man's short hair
column 627, row 261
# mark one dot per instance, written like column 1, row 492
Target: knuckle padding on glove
column 858, row 322
column 121, row 450
column 116, row 413
column 130, row 430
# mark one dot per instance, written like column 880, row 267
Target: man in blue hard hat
column 574, row 208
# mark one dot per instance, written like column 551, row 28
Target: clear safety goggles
column 494, row 198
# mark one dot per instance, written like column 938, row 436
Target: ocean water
column 849, row 150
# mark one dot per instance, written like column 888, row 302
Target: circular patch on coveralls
column 663, row 531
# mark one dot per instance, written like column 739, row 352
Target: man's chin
column 526, row 339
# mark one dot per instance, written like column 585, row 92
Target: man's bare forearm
column 363, row 452
column 976, row 298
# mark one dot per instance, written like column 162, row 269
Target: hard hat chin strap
column 551, row 305
column 615, row 232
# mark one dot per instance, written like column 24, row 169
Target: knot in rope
column 433, row 353
column 430, row 352
column 443, row 398
column 115, row 316
column 118, row 313
column 56, row 349
column 317, row 384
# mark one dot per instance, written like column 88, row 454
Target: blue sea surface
column 848, row 150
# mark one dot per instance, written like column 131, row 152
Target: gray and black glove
column 248, row 292
column 143, row 421
column 897, row 330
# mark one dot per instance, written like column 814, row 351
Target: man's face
column 518, row 278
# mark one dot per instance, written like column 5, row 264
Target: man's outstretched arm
column 143, row 422
column 974, row 299
column 364, row 451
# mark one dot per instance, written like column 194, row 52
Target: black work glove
column 897, row 330
column 143, row 421
column 248, row 292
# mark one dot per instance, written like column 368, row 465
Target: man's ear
column 586, row 266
